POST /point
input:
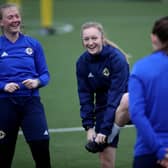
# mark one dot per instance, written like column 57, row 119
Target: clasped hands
column 98, row 138
column 164, row 161
column 28, row 83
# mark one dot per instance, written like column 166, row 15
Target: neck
column 12, row 36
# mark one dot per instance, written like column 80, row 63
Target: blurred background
column 56, row 24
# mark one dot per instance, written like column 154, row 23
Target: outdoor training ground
column 128, row 23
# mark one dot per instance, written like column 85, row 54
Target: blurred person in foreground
column 23, row 70
column 102, row 73
column 148, row 105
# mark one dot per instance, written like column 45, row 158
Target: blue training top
column 23, row 59
column 102, row 80
column 148, row 88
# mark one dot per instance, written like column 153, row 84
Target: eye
column 94, row 38
column 10, row 17
column 86, row 39
column 17, row 16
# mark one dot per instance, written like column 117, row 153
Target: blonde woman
column 102, row 75
column 23, row 70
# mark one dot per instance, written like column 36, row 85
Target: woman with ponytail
column 148, row 95
column 102, row 73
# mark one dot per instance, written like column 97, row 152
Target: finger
column 97, row 140
column 12, row 88
column 16, row 87
column 166, row 156
column 25, row 81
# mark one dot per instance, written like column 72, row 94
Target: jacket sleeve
column 137, row 113
column 86, row 98
column 118, row 86
column 41, row 65
column 2, row 85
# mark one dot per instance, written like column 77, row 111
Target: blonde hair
column 106, row 41
column 7, row 5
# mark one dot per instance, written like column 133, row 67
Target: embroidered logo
column 29, row 51
column 2, row 134
column 4, row 54
column 106, row 72
column 45, row 132
column 90, row 75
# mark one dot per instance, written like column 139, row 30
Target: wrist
column 38, row 82
column 88, row 128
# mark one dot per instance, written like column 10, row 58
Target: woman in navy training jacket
column 102, row 75
column 23, row 71
column 148, row 90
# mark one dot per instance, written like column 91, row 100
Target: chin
column 15, row 31
column 93, row 52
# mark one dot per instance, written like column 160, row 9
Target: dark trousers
column 146, row 161
column 39, row 149
column 27, row 113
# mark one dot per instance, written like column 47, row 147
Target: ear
column 154, row 38
column 156, row 43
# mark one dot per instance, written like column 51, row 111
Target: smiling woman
column 92, row 40
column 10, row 22
column 102, row 74
column 23, row 70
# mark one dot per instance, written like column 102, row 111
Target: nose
column 16, row 18
column 90, row 41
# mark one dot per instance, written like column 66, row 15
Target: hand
column 11, row 87
column 91, row 134
column 31, row 83
column 164, row 161
column 100, row 138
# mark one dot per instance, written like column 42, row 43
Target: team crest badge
column 29, row 51
column 2, row 134
column 106, row 72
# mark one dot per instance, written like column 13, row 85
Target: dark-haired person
column 102, row 75
column 148, row 95
column 23, row 70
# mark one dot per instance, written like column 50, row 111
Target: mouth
column 92, row 50
column 15, row 24
column 91, row 47
column 15, row 28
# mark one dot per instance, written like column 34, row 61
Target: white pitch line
column 73, row 129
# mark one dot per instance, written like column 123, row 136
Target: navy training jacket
column 102, row 79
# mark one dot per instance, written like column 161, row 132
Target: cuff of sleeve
column 161, row 153
column 39, row 82
column 87, row 128
column 105, row 132
column 2, row 85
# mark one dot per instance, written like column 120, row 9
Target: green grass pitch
column 128, row 23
